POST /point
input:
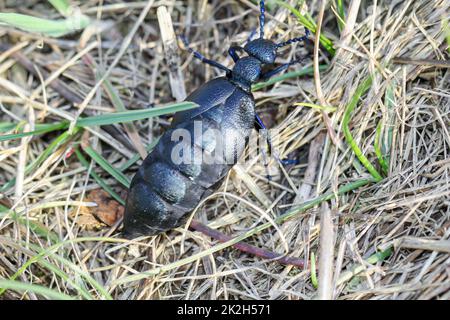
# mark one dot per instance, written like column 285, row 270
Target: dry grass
column 406, row 215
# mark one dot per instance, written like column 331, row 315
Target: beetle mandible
column 164, row 190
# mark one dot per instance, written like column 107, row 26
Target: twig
column 326, row 254
column 422, row 62
column 423, row 244
column 171, row 53
column 317, row 84
column 350, row 23
column 304, row 190
column 21, row 164
column 325, row 290
column 266, row 254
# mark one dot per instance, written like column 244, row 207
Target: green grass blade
column 105, row 119
column 63, row 6
column 378, row 152
column 7, row 126
column 42, row 253
column 44, row 128
column 341, row 13
column 113, row 95
column 51, row 28
column 316, row 106
column 314, row 281
column 446, row 29
column 132, row 115
column 40, row 290
column 362, row 88
column 119, row 176
column 45, row 252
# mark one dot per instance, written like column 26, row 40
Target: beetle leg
column 233, row 54
column 260, row 125
column 202, row 58
column 286, row 162
column 279, row 69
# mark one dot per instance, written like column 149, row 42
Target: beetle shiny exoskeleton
column 165, row 190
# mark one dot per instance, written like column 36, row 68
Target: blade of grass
column 108, row 118
column 43, row 128
column 6, row 126
column 43, row 291
column 341, row 13
column 43, row 253
column 314, row 281
column 378, row 152
column 389, row 101
column 362, row 88
column 63, row 6
column 446, row 29
column 132, row 115
column 51, row 28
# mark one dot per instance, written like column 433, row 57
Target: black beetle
column 165, row 190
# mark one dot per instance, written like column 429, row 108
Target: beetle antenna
column 201, row 57
column 262, row 10
column 298, row 39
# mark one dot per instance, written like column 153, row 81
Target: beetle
column 165, row 190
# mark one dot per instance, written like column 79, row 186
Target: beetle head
column 262, row 49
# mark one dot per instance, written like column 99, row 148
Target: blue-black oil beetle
column 165, row 190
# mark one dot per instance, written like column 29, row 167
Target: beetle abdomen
column 190, row 159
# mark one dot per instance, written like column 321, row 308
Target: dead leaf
column 108, row 210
